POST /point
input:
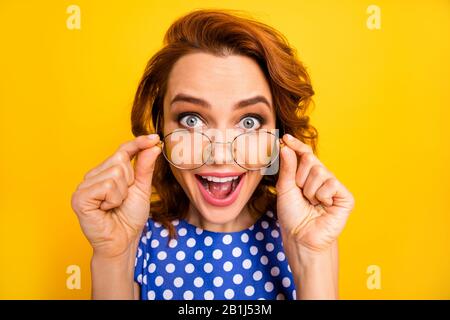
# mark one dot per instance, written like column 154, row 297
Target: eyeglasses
column 190, row 149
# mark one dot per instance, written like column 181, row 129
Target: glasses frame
column 230, row 143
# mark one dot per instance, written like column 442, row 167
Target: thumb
column 288, row 169
column 144, row 167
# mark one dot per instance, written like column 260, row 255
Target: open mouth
column 220, row 189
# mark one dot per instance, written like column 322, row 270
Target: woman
column 220, row 226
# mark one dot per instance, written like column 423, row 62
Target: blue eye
column 250, row 123
column 191, row 121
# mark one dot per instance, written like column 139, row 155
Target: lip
column 220, row 174
column 225, row 201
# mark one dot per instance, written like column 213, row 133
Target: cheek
column 253, row 180
column 185, row 179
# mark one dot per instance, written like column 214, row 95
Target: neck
column 243, row 221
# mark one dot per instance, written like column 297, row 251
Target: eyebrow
column 203, row 103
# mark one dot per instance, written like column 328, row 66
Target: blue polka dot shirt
column 205, row 265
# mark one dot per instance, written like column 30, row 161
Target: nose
column 220, row 147
column 220, row 153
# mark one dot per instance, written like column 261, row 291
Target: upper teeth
column 218, row 179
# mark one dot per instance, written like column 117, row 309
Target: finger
column 316, row 177
column 297, row 145
column 115, row 172
column 125, row 153
column 306, row 162
column 327, row 191
column 144, row 167
column 288, row 167
column 306, row 155
column 104, row 195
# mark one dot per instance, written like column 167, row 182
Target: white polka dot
column 154, row 243
column 144, row 240
column 268, row 286
column 144, row 279
column 280, row 296
column 151, row 267
column 145, row 264
column 182, row 232
column 281, row 256
column 198, row 282
column 270, row 214
column 286, row 282
column 261, row 299
column 249, row 290
column 147, row 256
column 264, row 260
column 189, row 268
column 237, row 252
column 167, row 294
column 170, row 268
column 208, row 241
column 217, row 254
column 289, row 268
column 191, row 242
column 218, row 281
column 229, row 293
column 227, row 266
column 149, row 234
column 269, row 247
column 246, row 264
column 188, row 295
column 139, row 252
column 251, row 228
column 159, row 280
column 158, row 225
column 264, row 224
column 178, row 282
column 227, row 239
column 198, row 255
column 175, row 222
column 162, row 255
column 209, row 295
column 237, row 279
column 180, row 255
column 275, row 234
column 164, row 233
column 151, row 295
column 244, row 238
column 198, row 231
column 294, row 294
column 259, row 236
column 173, row 243
column 275, row 271
column 208, row 267
column 253, row 250
column 257, row 275
column 139, row 278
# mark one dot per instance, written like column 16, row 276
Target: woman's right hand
column 113, row 201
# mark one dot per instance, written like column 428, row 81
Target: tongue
column 220, row 190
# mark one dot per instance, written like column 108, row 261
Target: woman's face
column 222, row 97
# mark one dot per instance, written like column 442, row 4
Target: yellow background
column 382, row 111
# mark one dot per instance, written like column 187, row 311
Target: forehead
column 217, row 79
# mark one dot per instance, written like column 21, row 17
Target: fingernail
column 289, row 137
column 153, row 136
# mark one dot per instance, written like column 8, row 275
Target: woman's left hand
column 312, row 205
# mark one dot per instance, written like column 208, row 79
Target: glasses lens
column 255, row 150
column 186, row 149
